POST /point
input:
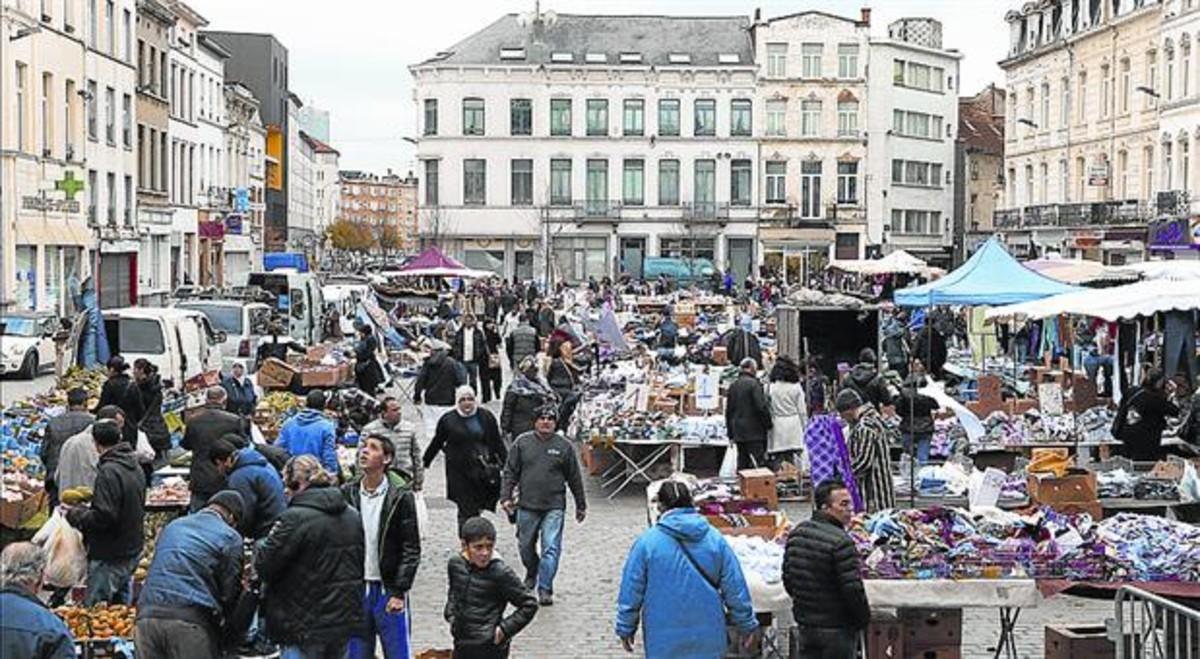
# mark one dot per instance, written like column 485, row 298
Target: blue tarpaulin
column 990, row 277
column 282, row 260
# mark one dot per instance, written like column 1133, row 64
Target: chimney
column 865, row 21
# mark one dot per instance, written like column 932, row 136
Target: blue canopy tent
column 990, row 277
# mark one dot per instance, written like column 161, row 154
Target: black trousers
column 822, row 643
column 752, row 454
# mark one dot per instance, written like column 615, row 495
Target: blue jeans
column 923, row 441
column 548, row 524
column 110, row 581
column 1093, row 362
column 318, row 651
column 391, row 628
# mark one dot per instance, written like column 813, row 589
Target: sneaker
column 530, row 582
column 545, row 598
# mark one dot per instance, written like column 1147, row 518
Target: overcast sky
column 353, row 61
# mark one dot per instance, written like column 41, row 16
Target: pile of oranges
column 102, row 621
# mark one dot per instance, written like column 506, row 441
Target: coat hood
column 249, row 457
column 326, row 499
column 862, row 374
column 308, row 417
column 123, row 455
column 684, row 524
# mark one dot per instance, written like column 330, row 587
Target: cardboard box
column 938, row 652
column 596, row 460
column 275, row 374
column 931, row 628
column 322, row 376
column 1078, row 643
column 762, row 526
column 759, row 484
column 1092, row 508
column 1073, row 488
column 314, row 354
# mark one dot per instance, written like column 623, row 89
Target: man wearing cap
column 120, row 390
column 193, row 583
column 748, row 416
column 868, row 445
column 206, row 427
column 541, row 466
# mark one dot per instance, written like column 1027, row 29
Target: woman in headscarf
column 241, row 399
column 525, row 396
column 367, row 373
column 789, row 410
column 149, row 385
column 475, row 455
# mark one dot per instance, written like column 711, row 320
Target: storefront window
column 26, row 277
column 576, row 259
column 491, row 260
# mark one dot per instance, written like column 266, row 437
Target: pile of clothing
column 1121, row 484
column 758, row 556
column 1144, row 548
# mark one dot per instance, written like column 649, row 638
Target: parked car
column 243, row 323
column 27, row 342
column 297, row 297
column 684, row 271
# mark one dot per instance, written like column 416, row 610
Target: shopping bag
column 1189, row 485
column 66, row 559
column 729, row 463
column 422, row 513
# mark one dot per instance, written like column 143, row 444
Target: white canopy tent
column 1176, row 270
column 897, row 262
column 1143, row 298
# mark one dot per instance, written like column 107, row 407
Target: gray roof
column 704, row 38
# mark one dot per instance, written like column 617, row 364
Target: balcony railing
column 788, row 217
column 598, row 209
column 1104, row 213
column 706, row 210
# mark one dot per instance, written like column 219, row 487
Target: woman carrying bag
column 475, row 455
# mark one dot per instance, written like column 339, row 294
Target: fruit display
column 76, row 495
column 102, row 621
column 172, row 491
column 275, row 408
column 152, row 527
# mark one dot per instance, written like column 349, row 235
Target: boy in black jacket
column 481, row 587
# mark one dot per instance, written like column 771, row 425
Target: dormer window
column 562, row 57
column 729, row 58
column 595, row 58
column 631, row 58
column 679, row 58
column 512, row 53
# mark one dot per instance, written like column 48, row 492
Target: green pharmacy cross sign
column 69, row 185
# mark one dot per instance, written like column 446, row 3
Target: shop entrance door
column 633, row 251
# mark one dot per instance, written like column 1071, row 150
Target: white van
column 243, row 323
column 297, row 296
column 180, row 342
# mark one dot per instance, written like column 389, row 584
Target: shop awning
column 1143, row 298
column 54, row 232
column 1079, row 271
column 898, row 262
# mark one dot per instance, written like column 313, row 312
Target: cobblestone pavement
column 580, row 622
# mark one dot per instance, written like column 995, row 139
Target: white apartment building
column 1085, row 82
column 811, row 122
column 111, row 86
column 45, row 240
column 184, row 133
column 246, row 149
column 327, row 188
column 212, row 172
column 154, row 22
column 1175, row 232
column 912, row 120
column 301, row 190
column 572, row 146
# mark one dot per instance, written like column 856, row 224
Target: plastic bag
column 422, row 513
column 66, row 559
column 1189, row 485
column 729, row 462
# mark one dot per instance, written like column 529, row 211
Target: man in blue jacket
column 28, row 628
column 311, row 433
column 683, row 559
column 249, row 474
column 193, row 584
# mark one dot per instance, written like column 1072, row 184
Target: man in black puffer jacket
column 821, row 574
column 311, row 565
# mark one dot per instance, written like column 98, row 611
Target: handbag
column 494, row 360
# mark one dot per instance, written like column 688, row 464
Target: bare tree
column 435, row 226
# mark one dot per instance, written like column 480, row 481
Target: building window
column 1151, row 78
column 668, row 117
column 127, row 121
column 128, row 208
column 92, row 101
column 1045, row 106
column 847, row 60
column 918, row 76
column 810, row 188
column 522, row 182
column 1064, row 104
column 560, row 182
column 1186, row 78
column 110, row 115
column 474, row 182
column 109, row 27
column 777, row 60
column 740, row 183
column 431, row 116
column 810, row 60
column 847, row 186
column 847, row 118
column 776, row 182
column 68, row 120
column 1185, row 165
column 596, row 188
column 47, row 113
column 21, row 100
column 1081, row 99
column 776, row 118
column 704, row 192
column 1125, row 86
column 912, row 172
column 916, row 222
column 128, row 26
column 740, row 121
column 705, row 111
column 93, row 196
column 1168, row 169
column 93, row 24
column 810, row 118
column 634, row 116
column 916, row 124
column 1169, row 79
column 633, row 183
column 560, row 117
column 1122, row 177
column 668, row 183
column 110, row 213
column 520, row 116
column 597, row 116
column 472, row 116
column 1105, row 92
